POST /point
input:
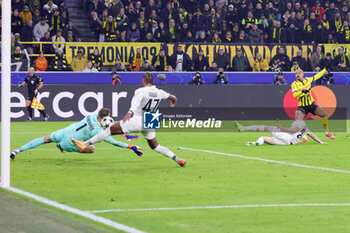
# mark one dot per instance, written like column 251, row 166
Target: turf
column 114, row 178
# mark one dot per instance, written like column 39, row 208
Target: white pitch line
column 82, row 213
column 222, row 207
column 267, row 160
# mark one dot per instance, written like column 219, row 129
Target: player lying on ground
column 301, row 90
column 281, row 135
column 85, row 129
column 146, row 99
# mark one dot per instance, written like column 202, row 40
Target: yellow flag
column 36, row 104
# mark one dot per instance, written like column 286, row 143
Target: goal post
column 5, row 92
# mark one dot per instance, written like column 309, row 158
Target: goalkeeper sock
column 325, row 124
column 32, row 144
column 99, row 137
column 253, row 128
column 165, row 151
column 30, row 111
column 260, row 141
column 42, row 113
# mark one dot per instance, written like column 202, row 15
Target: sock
column 99, row 137
column 254, row 128
column 30, row 111
column 165, row 151
column 42, row 113
column 260, row 141
column 325, row 124
column 32, row 144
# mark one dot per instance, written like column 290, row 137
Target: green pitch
column 114, row 178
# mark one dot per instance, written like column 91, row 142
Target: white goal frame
column 5, row 93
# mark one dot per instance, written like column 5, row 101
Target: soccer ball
column 107, row 122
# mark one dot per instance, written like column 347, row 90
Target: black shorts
column 310, row 108
column 31, row 96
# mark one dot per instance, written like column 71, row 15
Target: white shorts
column 135, row 124
column 282, row 138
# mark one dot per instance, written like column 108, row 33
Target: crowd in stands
column 204, row 21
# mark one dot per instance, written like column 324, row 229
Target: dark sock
column 42, row 113
column 30, row 111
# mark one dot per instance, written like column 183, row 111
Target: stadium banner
column 123, row 51
column 172, row 78
column 244, row 102
column 333, row 49
column 267, row 51
column 111, row 51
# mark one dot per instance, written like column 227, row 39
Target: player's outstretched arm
column 314, row 137
column 319, row 75
column 173, row 100
column 124, row 145
column 22, row 84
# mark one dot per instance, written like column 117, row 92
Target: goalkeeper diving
column 281, row 135
column 83, row 130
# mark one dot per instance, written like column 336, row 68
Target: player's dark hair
column 148, row 77
column 301, row 110
column 104, row 112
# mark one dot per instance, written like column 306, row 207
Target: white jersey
column 303, row 130
column 147, row 99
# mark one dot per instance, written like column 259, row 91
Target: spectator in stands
column 307, row 32
column 240, row 62
column 97, row 6
column 96, row 60
column 58, row 41
column 63, row 9
column 162, row 34
column 18, row 56
column 222, row 59
column 114, row 8
column 345, row 33
column 213, row 67
column 147, row 66
column 292, row 34
column 25, row 15
column 116, row 65
column 90, row 68
column 199, row 22
column 316, row 57
column 319, row 34
column 136, row 61
column 41, row 63
column 275, row 67
column 341, row 67
column 201, row 62
column 35, row 6
column 59, row 63
column 122, row 21
column 256, row 35
column 279, row 79
column 197, row 79
column 161, row 61
column 247, row 22
column 109, row 29
column 28, row 36
column 40, row 29
column 189, row 37
column 96, row 25
column 341, row 57
column 327, row 62
column 213, row 23
column 260, row 64
column 70, row 37
column 216, row 38
column 242, row 38
column 318, row 10
column 79, row 62
column 133, row 34
column 116, row 78
column 36, row 17
column 47, row 48
column 70, row 28
column 123, row 68
column 55, row 22
column 16, row 22
column 282, row 59
column 221, row 77
column 173, row 31
column 277, row 33
column 49, row 8
column 300, row 60
column 295, row 67
column 181, row 61
column 227, row 39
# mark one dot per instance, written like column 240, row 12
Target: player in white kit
column 145, row 99
column 281, row 135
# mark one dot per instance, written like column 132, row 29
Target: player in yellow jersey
column 301, row 90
